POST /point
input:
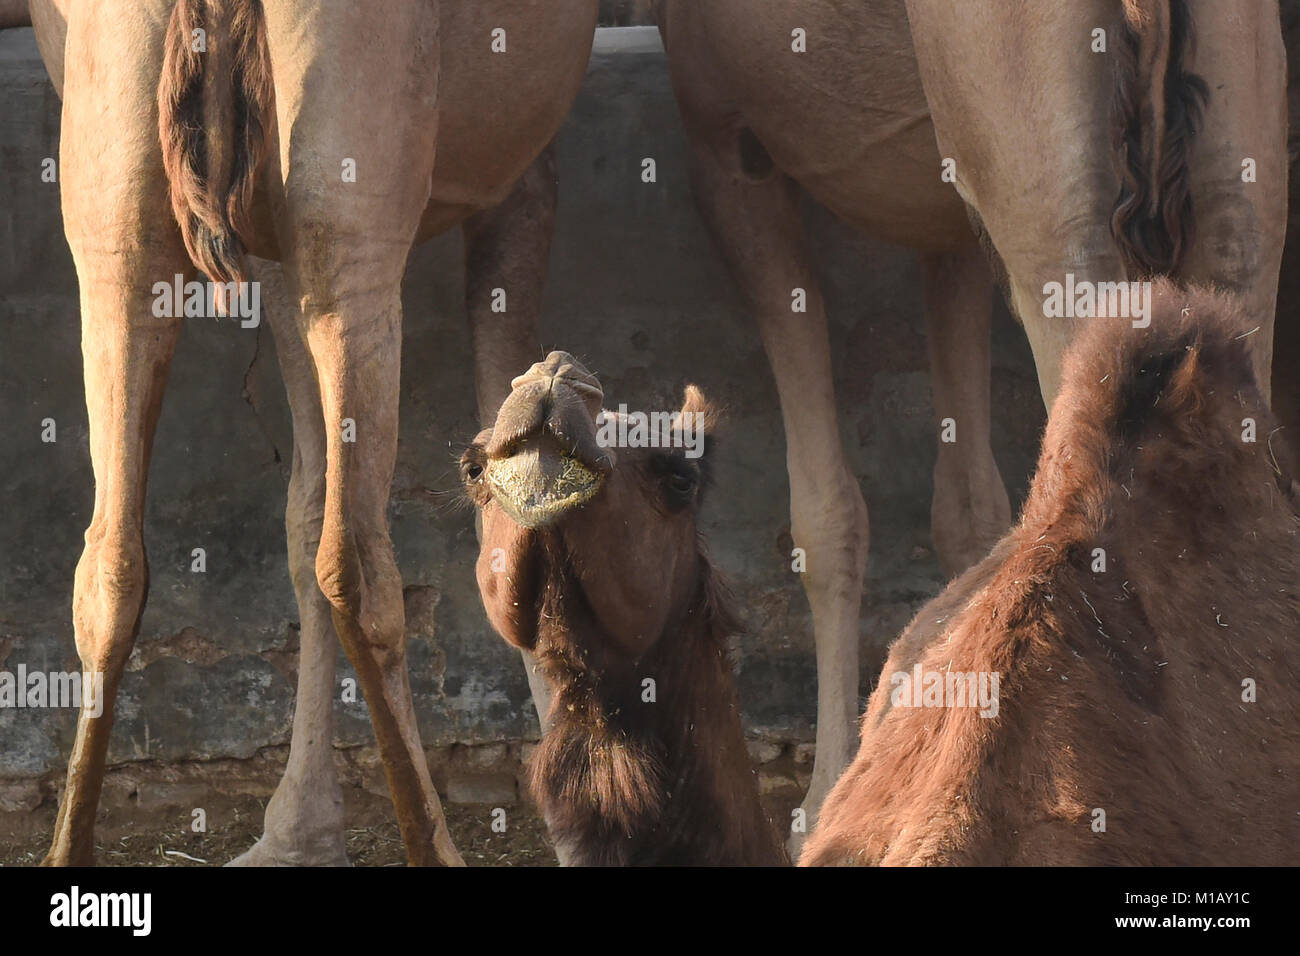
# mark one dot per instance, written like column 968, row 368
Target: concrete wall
column 635, row 289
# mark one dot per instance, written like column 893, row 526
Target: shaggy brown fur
column 626, row 783
column 1121, row 690
column 606, row 595
column 1158, row 107
column 213, row 107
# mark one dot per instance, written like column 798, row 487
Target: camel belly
column 847, row 118
column 500, row 109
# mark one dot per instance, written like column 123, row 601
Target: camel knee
column 120, row 573
column 358, row 576
column 111, row 580
column 338, row 573
column 831, row 525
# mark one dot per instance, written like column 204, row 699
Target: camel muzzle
column 539, row 483
column 543, row 456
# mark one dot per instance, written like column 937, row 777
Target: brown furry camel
column 1140, row 623
column 591, row 560
column 331, row 139
column 867, row 106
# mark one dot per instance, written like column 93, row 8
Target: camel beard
column 595, row 756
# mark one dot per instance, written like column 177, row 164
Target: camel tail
column 215, row 99
column 1158, row 108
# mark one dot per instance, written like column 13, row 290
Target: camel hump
column 214, row 104
column 1157, row 110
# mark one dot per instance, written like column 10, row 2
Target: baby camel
column 1140, row 622
column 591, row 559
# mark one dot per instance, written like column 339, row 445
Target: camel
column 1134, row 627
column 591, row 560
column 247, row 142
column 914, row 120
column 1286, row 339
column 13, row 13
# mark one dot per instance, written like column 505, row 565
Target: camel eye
column 680, row 484
column 679, row 479
column 471, row 472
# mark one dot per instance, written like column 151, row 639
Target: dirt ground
column 145, row 815
column 151, row 842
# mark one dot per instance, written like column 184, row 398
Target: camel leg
column 119, row 228
column 1015, row 147
column 304, row 818
column 970, row 510
column 14, row 13
column 1240, row 225
column 760, row 234
column 356, row 351
column 357, row 356
column 507, row 248
column 346, row 245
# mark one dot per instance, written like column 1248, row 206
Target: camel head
column 584, row 517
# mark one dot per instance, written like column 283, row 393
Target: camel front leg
column 304, row 818
column 970, row 510
column 506, row 249
column 759, row 232
column 123, row 241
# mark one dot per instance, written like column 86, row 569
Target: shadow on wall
column 626, row 13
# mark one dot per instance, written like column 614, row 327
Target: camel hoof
column 266, row 853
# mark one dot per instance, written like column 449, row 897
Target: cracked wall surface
column 635, row 290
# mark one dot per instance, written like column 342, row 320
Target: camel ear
column 699, row 418
column 708, row 416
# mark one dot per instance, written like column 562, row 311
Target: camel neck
column 645, row 761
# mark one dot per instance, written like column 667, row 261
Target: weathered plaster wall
column 635, row 289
